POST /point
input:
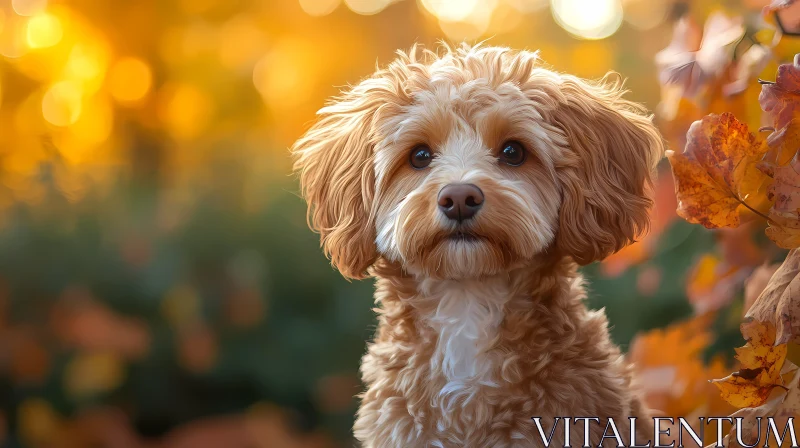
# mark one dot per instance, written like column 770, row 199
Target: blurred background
column 158, row 284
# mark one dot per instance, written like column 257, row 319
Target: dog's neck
column 466, row 317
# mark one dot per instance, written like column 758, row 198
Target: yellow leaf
column 717, row 172
column 761, row 362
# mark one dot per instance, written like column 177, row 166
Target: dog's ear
column 335, row 163
column 609, row 168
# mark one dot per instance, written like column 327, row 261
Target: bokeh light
column 588, row 19
column 61, row 104
column 28, row 7
column 43, row 31
column 285, row 76
column 367, row 7
column 528, row 6
column 474, row 25
column 14, row 37
column 319, row 8
column 185, row 110
column 129, row 80
column 645, row 14
column 450, row 10
column 241, row 44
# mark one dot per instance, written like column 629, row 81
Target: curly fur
column 476, row 337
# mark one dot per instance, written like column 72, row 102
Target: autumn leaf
column 663, row 356
column 779, row 408
column 757, row 282
column 690, row 60
column 717, row 172
column 781, row 98
column 779, row 304
column 747, row 66
column 711, row 283
column 761, row 361
column 784, row 226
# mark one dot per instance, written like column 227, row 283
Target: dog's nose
column 460, row 202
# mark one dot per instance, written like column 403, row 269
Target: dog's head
column 473, row 162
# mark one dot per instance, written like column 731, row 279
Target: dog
column 471, row 182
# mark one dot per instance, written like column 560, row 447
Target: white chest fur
column 467, row 317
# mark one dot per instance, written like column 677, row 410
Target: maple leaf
column 691, row 60
column 779, row 303
column 761, row 362
column 779, row 408
column 717, row 171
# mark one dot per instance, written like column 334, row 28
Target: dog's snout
column 460, row 202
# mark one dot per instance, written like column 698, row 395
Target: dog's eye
column 421, row 157
column 513, row 153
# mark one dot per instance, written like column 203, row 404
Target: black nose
column 460, row 201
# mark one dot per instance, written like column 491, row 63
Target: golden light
column 184, row 109
column 285, row 76
column 94, row 125
column 588, row 19
column 591, row 59
column 13, row 38
column 44, row 31
column 129, row 80
column 367, row 7
column 473, row 25
column 645, row 14
column 527, row 6
column 450, row 10
column 241, row 43
column 61, row 104
column 87, row 64
column 28, row 7
column 319, row 8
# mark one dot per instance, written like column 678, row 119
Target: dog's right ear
column 337, row 178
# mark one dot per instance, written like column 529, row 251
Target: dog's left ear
column 609, row 168
column 335, row 162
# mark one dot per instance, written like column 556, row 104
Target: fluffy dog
column 471, row 183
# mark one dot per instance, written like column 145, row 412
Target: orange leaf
column 761, row 363
column 717, row 171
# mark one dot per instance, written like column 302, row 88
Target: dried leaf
column 761, row 362
column 747, row 67
column 779, row 303
column 781, row 98
column 691, row 61
column 717, row 171
column 784, row 227
column 779, row 408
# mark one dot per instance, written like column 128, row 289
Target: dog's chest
column 466, row 320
